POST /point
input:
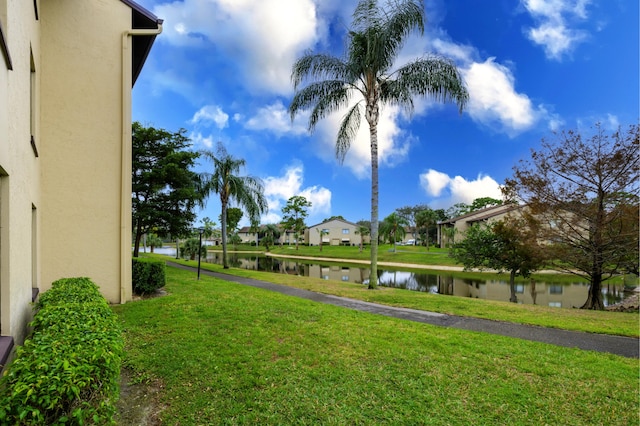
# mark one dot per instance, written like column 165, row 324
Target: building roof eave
column 141, row 19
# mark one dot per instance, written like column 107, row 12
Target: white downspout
column 125, row 188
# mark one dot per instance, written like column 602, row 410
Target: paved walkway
column 623, row 346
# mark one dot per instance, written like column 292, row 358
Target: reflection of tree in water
column 426, row 282
column 533, row 292
column 612, row 293
column 235, row 261
column 269, row 264
column 408, row 280
column 445, row 284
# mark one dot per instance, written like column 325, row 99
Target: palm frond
column 318, row 67
column 348, row 130
column 434, row 77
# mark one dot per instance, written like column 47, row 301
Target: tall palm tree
column 365, row 75
column 246, row 191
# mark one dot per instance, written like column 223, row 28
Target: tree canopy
column 294, row 214
column 509, row 245
column 392, row 228
column 584, row 192
column 165, row 190
column 364, row 80
column 246, row 191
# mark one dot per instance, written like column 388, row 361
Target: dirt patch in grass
column 139, row 400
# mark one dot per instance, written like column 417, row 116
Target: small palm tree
column 246, row 191
column 271, row 235
column 322, row 233
column 393, row 228
column 363, row 231
column 365, row 75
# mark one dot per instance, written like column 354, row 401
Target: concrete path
column 618, row 345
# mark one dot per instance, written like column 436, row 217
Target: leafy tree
column 363, row 230
column 410, row 213
column 333, row 218
column 584, row 190
column 294, row 214
column 209, row 227
column 365, row 74
column 234, row 215
column 246, row 191
column 271, row 233
column 164, row 189
column 392, row 228
column 483, row 203
column 509, row 244
column 456, row 210
column 425, row 220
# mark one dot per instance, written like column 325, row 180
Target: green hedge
column 148, row 275
column 68, row 371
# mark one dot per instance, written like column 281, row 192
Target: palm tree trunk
column 372, row 118
column 225, row 261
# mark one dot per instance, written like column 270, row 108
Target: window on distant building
column 555, row 289
column 345, row 231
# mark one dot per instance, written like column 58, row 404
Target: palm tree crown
column 246, row 191
column 365, row 76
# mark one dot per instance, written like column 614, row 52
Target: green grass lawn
column 402, row 254
column 623, row 324
column 237, row 355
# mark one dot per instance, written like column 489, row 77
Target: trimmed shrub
column 148, row 275
column 68, row 371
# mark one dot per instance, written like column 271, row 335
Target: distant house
column 338, row 232
column 248, row 236
column 66, row 73
column 453, row 230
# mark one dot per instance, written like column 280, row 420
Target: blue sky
column 221, row 70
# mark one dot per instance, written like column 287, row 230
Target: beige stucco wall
column 81, row 110
column 19, row 171
column 335, row 235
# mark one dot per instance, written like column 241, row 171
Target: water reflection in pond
column 436, row 282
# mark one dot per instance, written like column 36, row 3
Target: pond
column 565, row 295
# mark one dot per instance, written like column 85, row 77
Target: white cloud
column 449, row 191
column 263, row 38
column 434, row 182
column 278, row 189
column 493, row 98
column 276, row 118
column 211, row 113
column 200, row 141
column 553, row 32
column 393, row 143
